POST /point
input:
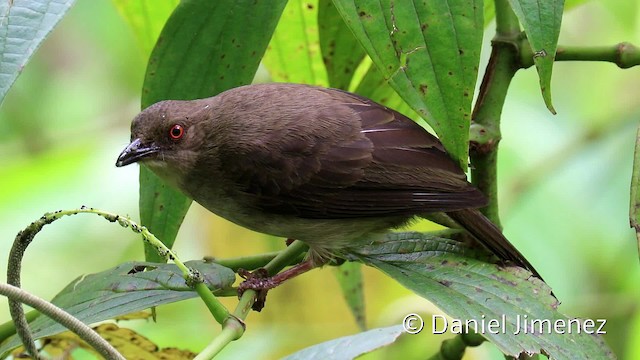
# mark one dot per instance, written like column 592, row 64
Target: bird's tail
column 488, row 234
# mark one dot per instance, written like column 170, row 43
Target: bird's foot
column 260, row 281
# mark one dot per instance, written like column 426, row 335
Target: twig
column 625, row 55
column 64, row 318
column 25, row 237
column 231, row 330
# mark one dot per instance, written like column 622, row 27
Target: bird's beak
column 135, row 152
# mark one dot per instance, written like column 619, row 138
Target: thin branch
column 625, row 55
column 64, row 318
column 250, row 262
column 487, row 111
column 507, row 24
column 233, row 330
column 25, row 237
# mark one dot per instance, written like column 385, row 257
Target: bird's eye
column 176, row 132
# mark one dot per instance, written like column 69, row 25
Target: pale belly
column 325, row 237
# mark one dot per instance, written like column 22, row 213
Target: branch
column 251, row 261
column 26, row 236
column 231, row 331
column 62, row 317
column 624, row 54
column 487, row 111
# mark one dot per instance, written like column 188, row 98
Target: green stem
column 233, row 328
column 625, row 55
column 9, row 328
column 25, row 237
column 487, row 113
column 502, row 67
column 507, row 24
column 251, row 262
column 64, row 318
column 285, row 257
column 230, row 332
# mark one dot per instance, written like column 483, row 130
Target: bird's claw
column 259, row 281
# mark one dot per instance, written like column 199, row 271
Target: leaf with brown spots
column 465, row 285
column 429, row 53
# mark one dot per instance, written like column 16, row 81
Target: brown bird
column 323, row 166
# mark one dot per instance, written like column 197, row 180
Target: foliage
column 420, row 57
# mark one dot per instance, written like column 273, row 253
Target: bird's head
column 167, row 137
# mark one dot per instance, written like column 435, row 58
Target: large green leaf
column 146, row 18
column 126, row 289
column 24, row 24
column 341, row 52
column 349, row 276
column 294, row 52
column 490, row 11
column 206, row 47
column 541, row 21
column 429, row 52
column 453, row 278
column 350, row 347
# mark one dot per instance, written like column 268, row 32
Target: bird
column 324, row 166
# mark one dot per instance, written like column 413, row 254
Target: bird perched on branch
column 324, row 166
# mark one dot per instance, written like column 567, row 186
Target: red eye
column 176, row 132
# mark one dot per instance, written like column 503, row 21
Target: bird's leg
column 259, row 280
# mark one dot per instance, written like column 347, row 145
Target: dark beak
column 135, row 152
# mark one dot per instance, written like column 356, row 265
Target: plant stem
column 233, row 328
column 251, row 262
column 502, row 67
column 487, row 113
column 507, row 23
column 625, row 55
column 229, row 333
column 64, row 318
column 25, row 237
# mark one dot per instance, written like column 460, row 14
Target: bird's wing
column 368, row 161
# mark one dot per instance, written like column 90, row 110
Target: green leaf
column 350, row 347
column 294, row 52
column 24, row 24
column 146, row 18
column 349, row 276
column 126, row 289
column 206, row 47
column 634, row 211
column 451, row 276
column 489, row 12
column 162, row 210
column 429, row 52
column 341, row 52
column 541, row 21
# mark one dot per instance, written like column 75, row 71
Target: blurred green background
column 564, row 190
